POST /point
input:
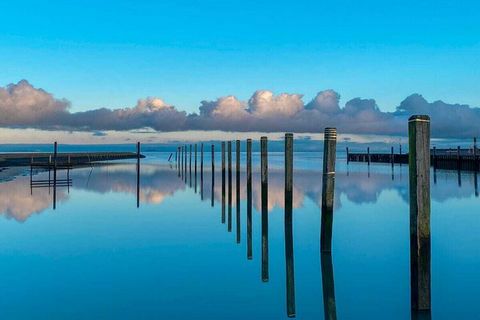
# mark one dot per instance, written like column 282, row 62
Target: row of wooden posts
column 419, row 183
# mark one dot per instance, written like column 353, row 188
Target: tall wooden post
column 348, row 156
column 195, row 166
column 190, row 165
column 264, row 177
column 138, row 174
column 229, row 206
column 201, row 171
column 237, row 188
column 249, row 199
column 212, row 201
column 290, row 275
column 223, row 182
column 55, row 175
column 328, row 188
column 419, row 172
column 475, row 154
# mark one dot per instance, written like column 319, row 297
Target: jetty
column 448, row 159
column 63, row 159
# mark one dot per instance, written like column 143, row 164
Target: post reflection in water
column 237, row 188
column 229, row 218
column 138, row 174
column 249, row 199
column 223, row 182
column 328, row 286
column 264, row 177
column 290, row 274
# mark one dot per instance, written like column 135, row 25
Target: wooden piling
column 348, row 158
column 195, row 166
column 229, row 206
column 237, row 189
column 249, row 199
column 288, row 220
column 419, row 172
column 476, row 166
column 201, row 171
column 368, row 155
column 55, row 175
column 190, row 165
column 223, row 182
column 264, row 182
column 138, row 174
column 328, row 188
column 212, row 196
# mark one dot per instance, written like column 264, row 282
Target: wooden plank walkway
column 45, row 159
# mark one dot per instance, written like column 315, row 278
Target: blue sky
column 111, row 53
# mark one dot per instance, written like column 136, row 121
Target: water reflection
column 159, row 182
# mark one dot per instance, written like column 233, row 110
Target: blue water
column 99, row 256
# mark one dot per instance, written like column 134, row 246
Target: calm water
column 99, row 256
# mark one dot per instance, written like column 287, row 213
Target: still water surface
column 99, row 256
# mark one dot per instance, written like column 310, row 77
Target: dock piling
column 264, row 181
column 223, row 182
column 328, row 188
column 229, row 207
column 419, row 172
column 212, row 196
column 249, row 199
column 288, row 220
column 237, row 188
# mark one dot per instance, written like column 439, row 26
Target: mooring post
column 368, row 155
column 237, row 188
column 54, row 175
column 328, row 188
column 264, row 181
column 459, row 159
column 180, row 169
column 212, row 196
column 186, row 163
column 223, row 182
column 249, row 199
column 475, row 165
column 195, row 165
column 229, row 206
column 348, row 158
column 201, row 171
column 419, row 172
column 138, row 174
column 190, row 165
column 290, row 275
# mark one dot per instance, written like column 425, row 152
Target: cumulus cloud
column 23, row 105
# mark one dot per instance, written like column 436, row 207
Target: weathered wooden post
column 475, row 154
column 328, row 188
column 212, row 201
column 328, row 286
column 223, row 182
column 195, row 166
column 201, row 171
column 229, row 207
column 348, row 156
column 264, row 177
column 419, row 172
column 400, row 147
column 190, row 165
column 249, row 199
column 186, row 163
column 138, row 174
column 54, row 175
column 290, row 281
column 368, row 155
column 237, row 189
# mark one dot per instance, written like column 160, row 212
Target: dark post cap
column 419, row 118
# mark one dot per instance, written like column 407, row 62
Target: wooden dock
column 46, row 159
column 449, row 159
